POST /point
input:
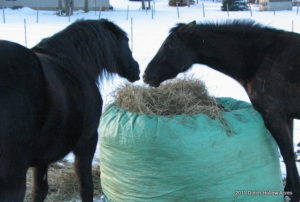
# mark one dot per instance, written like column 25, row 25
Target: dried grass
column 63, row 185
column 181, row 96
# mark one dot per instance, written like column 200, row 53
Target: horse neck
column 236, row 56
column 74, row 59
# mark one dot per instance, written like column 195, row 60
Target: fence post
column 227, row 10
column 250, row 9
column 177, row 10
column 152, row 12
column 25, row 32
column 3, row 11
column 131, row 34
column 37, row 15
column 99, row 17
column 3, row 15
column 153, row 7
column 127, row 13
column 69, row 14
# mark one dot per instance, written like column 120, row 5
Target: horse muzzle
column 133, row 79
column 151, row 82
column 134, row 73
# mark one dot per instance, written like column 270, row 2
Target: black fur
column 50, row 103
column 266, row 61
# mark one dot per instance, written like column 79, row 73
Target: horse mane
column 87, row 43
column 235, row 25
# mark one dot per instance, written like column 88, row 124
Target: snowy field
column 149, row 31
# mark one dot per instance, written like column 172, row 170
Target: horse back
column 276, row 81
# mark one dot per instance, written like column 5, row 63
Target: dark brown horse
column 265, row 61
column 50, row 103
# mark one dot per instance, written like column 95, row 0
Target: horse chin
column 154, row 84
column 134, row 73
column 157, row 83
column 133, row 79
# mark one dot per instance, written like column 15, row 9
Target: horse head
column 127, row 66
column 97, row 46
column 173, row 57
column 123, row 62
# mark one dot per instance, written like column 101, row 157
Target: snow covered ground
column 148, row 34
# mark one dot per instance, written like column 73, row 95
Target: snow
column 148, row 34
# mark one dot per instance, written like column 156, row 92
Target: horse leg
column 290, row 123
column 12, row 182
column 291, row 127
column 40, row 183
column 281, row 131
column 83, row 166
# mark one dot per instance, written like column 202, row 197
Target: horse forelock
column 93, row 42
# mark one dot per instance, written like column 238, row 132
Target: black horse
column 50, row 103
column 265, row 61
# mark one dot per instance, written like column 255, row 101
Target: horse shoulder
column 72, row 109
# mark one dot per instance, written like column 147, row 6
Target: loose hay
column 63, row 185
column 182, row 96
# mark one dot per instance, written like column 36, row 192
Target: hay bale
column 191, row 158
column 182, row 96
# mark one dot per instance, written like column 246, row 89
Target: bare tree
column 60, row 7
column 143, row 4
column 69, row 7
column 86, row 6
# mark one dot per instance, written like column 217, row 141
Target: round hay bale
column 147, row 157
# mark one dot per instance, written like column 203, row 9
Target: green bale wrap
column 188, row 158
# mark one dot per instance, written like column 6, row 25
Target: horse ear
column 191, row 24
column 182, row 27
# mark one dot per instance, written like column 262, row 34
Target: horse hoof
column 287, row 199
column 295, row 198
